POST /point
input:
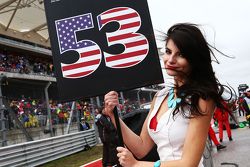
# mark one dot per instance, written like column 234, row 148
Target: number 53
column 90, row 54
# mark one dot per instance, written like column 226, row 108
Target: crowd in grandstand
column 9, row 62
column 33, row 112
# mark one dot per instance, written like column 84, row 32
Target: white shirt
column 170, row 133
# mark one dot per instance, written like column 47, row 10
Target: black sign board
column 99, row 46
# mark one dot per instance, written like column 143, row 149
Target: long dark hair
column 201, row 81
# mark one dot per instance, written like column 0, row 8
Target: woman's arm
column 193, row 146
column 197, row 134
column 138, row 145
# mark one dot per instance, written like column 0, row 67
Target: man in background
column 109, row 138
column 84, row 125
column 246, row 106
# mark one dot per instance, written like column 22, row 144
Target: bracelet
column 157, row 163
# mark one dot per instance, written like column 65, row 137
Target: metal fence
column 42, row 151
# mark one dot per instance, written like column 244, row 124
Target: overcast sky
column 225, row 24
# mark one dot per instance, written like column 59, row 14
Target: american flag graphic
column 136, row 45
column 89, row 52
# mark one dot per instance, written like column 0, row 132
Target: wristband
column 157, row 163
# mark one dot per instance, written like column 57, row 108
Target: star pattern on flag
column 66, row 29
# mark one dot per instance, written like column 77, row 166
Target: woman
column 179, row 117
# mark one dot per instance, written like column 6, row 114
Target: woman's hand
column 110, row 101
column 126, row 158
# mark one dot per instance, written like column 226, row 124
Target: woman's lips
column 171, row 67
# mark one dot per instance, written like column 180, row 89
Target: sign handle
column 118, row 128
column 119, row 132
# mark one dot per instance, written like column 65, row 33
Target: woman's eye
column 167, row 51
column 180, row 55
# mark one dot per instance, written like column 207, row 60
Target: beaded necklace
column 171, row 101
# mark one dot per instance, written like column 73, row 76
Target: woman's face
column 176, row 65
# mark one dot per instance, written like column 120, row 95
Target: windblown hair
column 201, row 81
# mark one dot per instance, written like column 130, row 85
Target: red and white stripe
column 88, row 62
column 136, row 45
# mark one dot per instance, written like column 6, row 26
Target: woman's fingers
column 111, row 96
column 110, row 101
column 121, row 155
column 121, row 150
column 126, row 158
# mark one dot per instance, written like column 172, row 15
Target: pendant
column 171, row 101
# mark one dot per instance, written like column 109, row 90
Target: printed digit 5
column 89, row 52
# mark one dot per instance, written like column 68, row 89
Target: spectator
column 109, row 138
column 84, row 125
column 240, row 105
column 60, row 116
column 246, row 106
